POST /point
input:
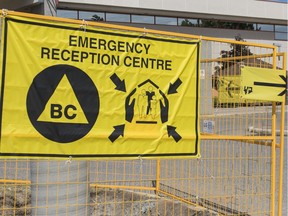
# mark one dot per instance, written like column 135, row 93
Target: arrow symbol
column 173, row 87
column 278, row 85
column 120, row 84
column 229, row 89
column 118, row 131
column 172, row 132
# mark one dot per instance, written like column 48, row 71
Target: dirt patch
column 16, row 201
column 122, row 202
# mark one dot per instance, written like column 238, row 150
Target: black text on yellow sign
column 93, row 55
column 97, row 93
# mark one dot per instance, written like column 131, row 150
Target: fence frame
column 259, row 140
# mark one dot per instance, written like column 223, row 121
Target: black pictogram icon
column 146, row 104
column 120, row 84
column 62, row 103
column 118, row 131
column 151, row 102
column 173, row 87
column 248, row 89
column 172, row 132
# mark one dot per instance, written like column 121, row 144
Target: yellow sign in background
column 229, row 89
column 69, row 91
column 263, row 84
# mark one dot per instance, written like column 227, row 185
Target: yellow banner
column 92, row 92
column 263, row 84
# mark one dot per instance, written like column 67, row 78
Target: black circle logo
column 62, row 103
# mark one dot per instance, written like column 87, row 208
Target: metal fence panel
column 240, row 171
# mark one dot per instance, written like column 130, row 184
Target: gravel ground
column 16, row 200
column 110, row 202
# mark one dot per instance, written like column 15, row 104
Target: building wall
column 231, row 10
column 260, row 37
column 244, row 10
column 16, row 4
column 235, row 10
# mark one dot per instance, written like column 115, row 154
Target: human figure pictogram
column 142, row 103
column 150, row 93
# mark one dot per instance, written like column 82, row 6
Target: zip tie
column 144, row 31
column 83, row 25
column 69, row 161
column 4, row 12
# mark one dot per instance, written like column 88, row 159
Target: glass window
column 67, row 14
column 91, row 16
column 244, row 26
column 226, row 24
column 282, row 1
column 117, row 17
column 265, row 27
column 187, row 22
column 207, row 23
column 142, row 19
column 166, row 20
column 281, row 28
column 281, row 36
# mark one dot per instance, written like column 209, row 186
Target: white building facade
column 260, row 21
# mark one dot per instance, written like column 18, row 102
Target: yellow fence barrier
column 240, row 171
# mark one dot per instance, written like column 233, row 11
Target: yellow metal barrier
column 242, row 156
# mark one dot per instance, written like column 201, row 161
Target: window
column 142, row 19
column 281, row 1
column 265, row 27
column 73, row 14
column 91, row 16
column 281, row 36
column 225, row 24
column 166, row 20
column 187, row 22
column 281, row 28
column 281, row 32
column 114, row 17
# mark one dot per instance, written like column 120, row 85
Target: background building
column 260, row 21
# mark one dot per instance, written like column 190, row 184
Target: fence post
column 158, row 172
column 282, row 146
column 273, row 148
column 60, row 188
